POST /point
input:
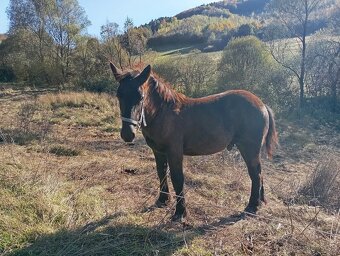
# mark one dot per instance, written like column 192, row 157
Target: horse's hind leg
column 162, row 165
column 257, row 191
column 253, row 162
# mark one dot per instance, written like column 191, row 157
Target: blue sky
column 140, row 11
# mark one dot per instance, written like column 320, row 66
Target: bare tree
column 323, row 62
column 112, row 45
column 141, row 39
column 295, row 15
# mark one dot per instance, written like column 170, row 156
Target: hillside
column 211, row 26
column 224, row 8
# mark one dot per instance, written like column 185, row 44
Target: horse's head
column 130, row 97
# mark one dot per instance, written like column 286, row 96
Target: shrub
column 30, row 125
column 193, row 74
column 6, row 74
column 99, row 85
column 323, row 185
column 247, row 64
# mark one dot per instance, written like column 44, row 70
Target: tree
column 139, row 38
column 295, row 15
column 127, row 39
column 323, row 63
column 86, row 57
column 194, row 75
column 324, row 60
column 6, row 71
column 66, row 20
column 27, row 23
column 50, row 29
column 247, row 64
column 197, row 74
column 134, row 40
column 112, row 43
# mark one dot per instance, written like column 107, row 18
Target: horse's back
column 213, row 122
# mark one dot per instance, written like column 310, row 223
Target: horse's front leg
column 175, row 160
column 162, row 166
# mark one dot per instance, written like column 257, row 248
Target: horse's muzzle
column 128, row 133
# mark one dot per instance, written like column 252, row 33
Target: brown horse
column 174, row 125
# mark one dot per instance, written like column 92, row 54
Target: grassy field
column 70, row 186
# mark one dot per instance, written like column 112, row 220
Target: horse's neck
column 158, row 97
column 152, row 101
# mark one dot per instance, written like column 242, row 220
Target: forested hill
column 223, row 8
column 211, row 26
column 220, row 9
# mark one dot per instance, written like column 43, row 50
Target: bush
column 31, row 124
column 245, row 30
column 6, row 75
column 193, row 74
column 323, row 185
column 247, row 64
column 99, row 85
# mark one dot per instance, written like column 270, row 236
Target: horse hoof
column 178, row 218
column 160, row 204
column 248, row 212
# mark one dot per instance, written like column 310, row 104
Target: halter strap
column 141, row 120
column 129, row 120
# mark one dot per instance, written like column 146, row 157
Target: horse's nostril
column 128, row 136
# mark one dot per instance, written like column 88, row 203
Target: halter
column 141, row 120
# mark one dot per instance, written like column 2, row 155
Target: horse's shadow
column 108, row 237
column 222, row 222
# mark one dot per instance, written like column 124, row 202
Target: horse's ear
column 116, row 71
column 144, row 76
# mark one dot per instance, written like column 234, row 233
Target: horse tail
column 271, row 138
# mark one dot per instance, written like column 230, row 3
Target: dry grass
column 77, row 100
column 322, row 186
column 69, row 193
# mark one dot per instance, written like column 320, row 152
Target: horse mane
column 159, row 93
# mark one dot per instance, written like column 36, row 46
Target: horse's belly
column 205, row 146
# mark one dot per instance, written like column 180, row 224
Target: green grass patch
column 61, row 150
column 18, row 136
